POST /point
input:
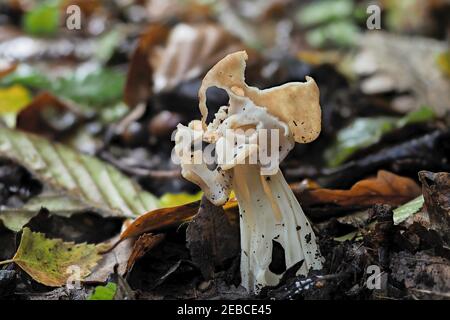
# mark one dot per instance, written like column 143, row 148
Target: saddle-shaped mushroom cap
column 295, row 103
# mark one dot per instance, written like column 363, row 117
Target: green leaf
column 103, row 87
column 98, row 88
column 16, row 218
column 107, row 44
column 28, row 77
column 355, row 235
column 340, row 33
column 364, row 132
column 361, row 133
column 86, row 180
column 408, row 209
column 319, row 12
column 172, row 200
column 104, row 292
column 43, row 20
column 423, row 114
column 48, row 261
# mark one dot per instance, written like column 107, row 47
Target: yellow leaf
column 443, row 62
column 13, row 99
column 178, row 199
column 52, row 261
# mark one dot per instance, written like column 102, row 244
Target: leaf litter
column 117, row 92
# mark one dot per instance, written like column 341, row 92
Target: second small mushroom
column 246, row 161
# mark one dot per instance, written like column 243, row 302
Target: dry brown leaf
column 139, row 78
column 160, row 219
column 436, row 192
column 386, row 188
column 33, row 118
column 404, row 64
column 164, row 218
column 143, row 244
column 115, row 259
column 189, row 52
column 6, row 68
column 212, row 238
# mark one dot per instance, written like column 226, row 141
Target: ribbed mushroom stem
column 270, row 212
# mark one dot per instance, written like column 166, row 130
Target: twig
column 436, row 293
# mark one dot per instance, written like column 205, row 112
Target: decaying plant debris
column 86, row 138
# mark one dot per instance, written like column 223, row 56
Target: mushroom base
column 270, row 212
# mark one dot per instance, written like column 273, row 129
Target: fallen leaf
column 43, row 19
column 340, row 33
column 7, row 68
column 364, row 132
column 141, row 246
column 164, row 218
column 48, row 260
column 48, row 115
column 114, row 260
column 320, row 12
column 436, row 192
column 428, row 151
column 178, row 199
column 329, row 22
column 90, row 89
column 408, row 64
column 408, row 209
column 443, row 61
column 26, row 76
column 355, row 235
column 160, row 219
column 422, row 274
column 60, row 205
column 412, row 17
column 386, row 187
column 90, row 181
column 13, row 99
column 138, row 87
column 189, row 52
column 211, row 238
column 101, row 87
column 106, row 292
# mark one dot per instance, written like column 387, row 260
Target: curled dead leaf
column 386, row 188
column 164, row 218
column 160, row 219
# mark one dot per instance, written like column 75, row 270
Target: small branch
column 436, row 293
column 142, row 172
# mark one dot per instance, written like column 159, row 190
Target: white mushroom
column 246, row 161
